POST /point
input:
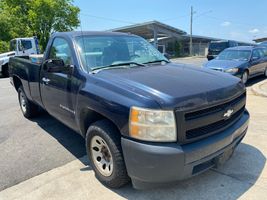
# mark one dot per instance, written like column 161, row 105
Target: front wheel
column 244, row 77
column 105, row 154
column 28, row 108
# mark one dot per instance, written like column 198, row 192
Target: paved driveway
column 29, row 148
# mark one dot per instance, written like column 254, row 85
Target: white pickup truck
column 18, row 47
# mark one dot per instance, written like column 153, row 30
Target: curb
column 258, row 90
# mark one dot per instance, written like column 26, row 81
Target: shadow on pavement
column 255, row 80
column 68, row 138
column 230, row 181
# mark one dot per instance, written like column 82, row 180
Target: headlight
column 232, row 70
column 152, row 125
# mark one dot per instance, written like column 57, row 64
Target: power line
column 236, row 22
column 107, row 19
column 203, row 13
column 175, row 18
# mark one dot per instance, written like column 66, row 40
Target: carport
column 152, row 31
column 165, row 37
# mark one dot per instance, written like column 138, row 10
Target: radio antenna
column 87, row 67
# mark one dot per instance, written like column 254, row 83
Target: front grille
column 214, row 127
column 214, row 109
column 198, row 124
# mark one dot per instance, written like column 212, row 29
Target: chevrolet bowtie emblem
column 228, row 113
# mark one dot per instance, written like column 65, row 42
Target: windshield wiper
column 116, row 66
column 157, row 61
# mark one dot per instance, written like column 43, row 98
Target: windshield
column 102, row 51
column 218, row 46
column 234, row 55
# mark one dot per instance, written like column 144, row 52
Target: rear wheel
column 105, row 154
column 244, row 77
column 28, row 108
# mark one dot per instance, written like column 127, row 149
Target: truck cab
column 25, row 46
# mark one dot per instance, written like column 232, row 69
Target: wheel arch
column 247, row 70
column 17, row 82
column 88, row 116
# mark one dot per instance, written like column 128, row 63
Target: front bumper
column 151, row 164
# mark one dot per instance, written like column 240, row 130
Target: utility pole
column 191, row 30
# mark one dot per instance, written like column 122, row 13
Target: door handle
column 45, row 80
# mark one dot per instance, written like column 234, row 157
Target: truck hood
column 224, row 64
column 174, row 85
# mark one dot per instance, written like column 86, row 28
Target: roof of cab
column 88, row 33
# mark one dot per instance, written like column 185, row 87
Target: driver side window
column 256, row 53
column 60, row 50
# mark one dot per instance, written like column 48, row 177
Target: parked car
column 244, row 62
column 18, row 47
column 141, row 116
column 216, row 47
column 263, row 44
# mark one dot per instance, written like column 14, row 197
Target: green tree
column 3, row 46
column 177, row 48
column 37, row 17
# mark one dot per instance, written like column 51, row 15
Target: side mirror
column 55, row 65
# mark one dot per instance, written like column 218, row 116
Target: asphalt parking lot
column 49, row 162
column 29, row 148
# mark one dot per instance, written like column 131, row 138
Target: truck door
column 55, row 83
column 257, row 62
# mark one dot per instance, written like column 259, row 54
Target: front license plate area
column 221, row 159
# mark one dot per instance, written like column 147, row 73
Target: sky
column 229, row 19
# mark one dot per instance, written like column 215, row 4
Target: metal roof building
column 258, row 40
column 165, row 37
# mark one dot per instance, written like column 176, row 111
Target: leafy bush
column 4, row 46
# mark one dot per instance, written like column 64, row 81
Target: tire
column 104, row 148
column 29, row 109
column 5, row 71
column 265, row 72
column 244, row 77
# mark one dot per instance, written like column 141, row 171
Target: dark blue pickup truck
column 144, row 118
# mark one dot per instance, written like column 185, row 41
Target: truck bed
column 29, row 75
